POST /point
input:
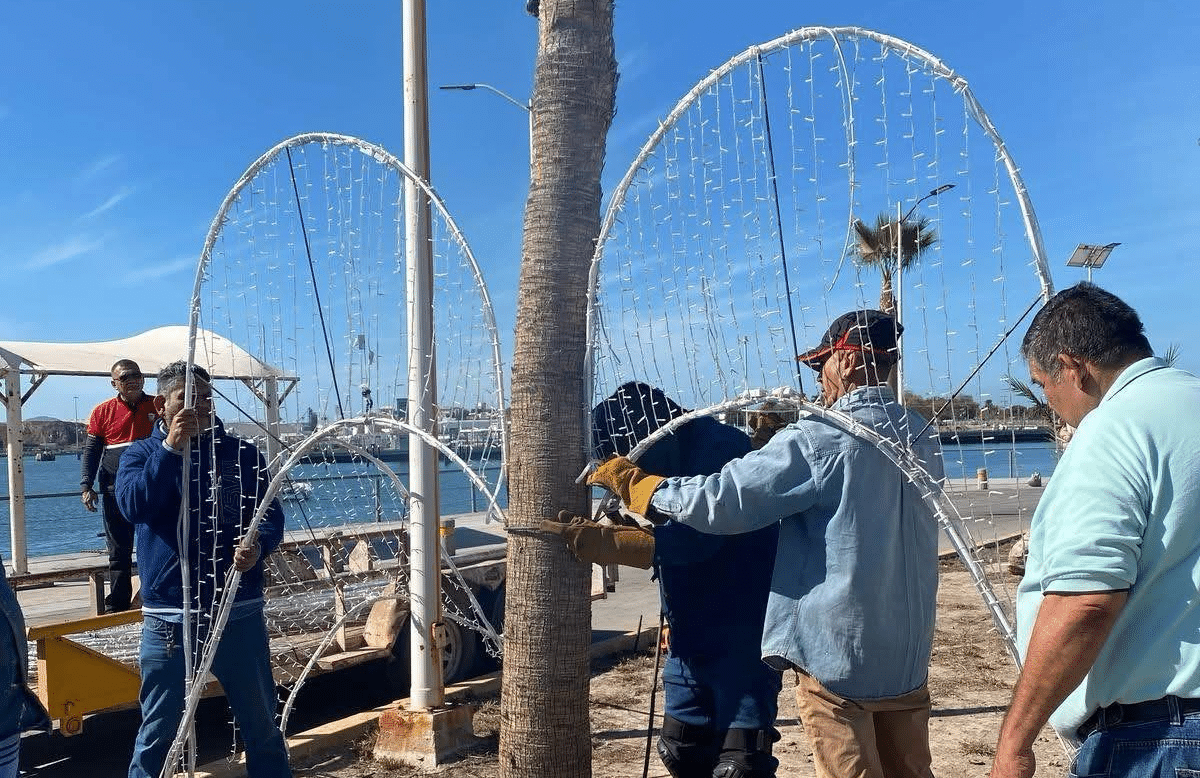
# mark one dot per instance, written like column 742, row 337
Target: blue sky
column 125, row 123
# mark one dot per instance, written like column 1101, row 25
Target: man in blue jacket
column 20, row 709
column 720, row 697
column 149, row 492
column 852, row 599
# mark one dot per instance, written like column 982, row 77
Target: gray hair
column 1088, row 323
column 171, row 375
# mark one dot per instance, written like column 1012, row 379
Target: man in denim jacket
column 853, row 591
column 149, row 492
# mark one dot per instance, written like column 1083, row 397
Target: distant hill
column 48, row 433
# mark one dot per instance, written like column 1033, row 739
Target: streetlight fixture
column 900, row 220
column 1090, row 256
column 932, row 193
column 526, row 106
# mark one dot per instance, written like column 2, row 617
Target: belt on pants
column 1161, row 709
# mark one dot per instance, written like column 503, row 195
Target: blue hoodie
column 20, row 709
column 149, row 492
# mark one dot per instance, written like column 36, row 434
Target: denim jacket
column 853, row 592
column 20, row 710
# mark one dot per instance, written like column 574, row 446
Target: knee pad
column 687, row 750
column 746, row 753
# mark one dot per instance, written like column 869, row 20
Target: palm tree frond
column 1171, row 355
column 1023, row 389
column 869, row 248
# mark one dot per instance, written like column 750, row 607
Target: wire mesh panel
column 305, row 270
column 779, row 193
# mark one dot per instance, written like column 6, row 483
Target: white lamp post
column 900, row 220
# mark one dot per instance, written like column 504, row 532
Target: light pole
column 900, row 220
column 75, row 426
column 526, row 106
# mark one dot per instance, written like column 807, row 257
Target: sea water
column 61, row 524
column 1002, row 460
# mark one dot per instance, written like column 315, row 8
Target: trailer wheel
column 458, row 656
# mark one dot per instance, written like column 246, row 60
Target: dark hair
column 1088, row 323
column 123, row 363
column 175, row 372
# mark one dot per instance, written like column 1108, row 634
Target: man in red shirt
column 113, row 425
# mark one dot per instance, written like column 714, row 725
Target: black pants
column 118, row 535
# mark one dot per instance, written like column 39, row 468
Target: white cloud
column 110, row 203
column 97, row 167
column 633, row 63
column 61, row 252
column 154, row 272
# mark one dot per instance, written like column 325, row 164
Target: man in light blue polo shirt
column 1108, row 614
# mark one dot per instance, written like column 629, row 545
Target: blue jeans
column 1168, row 748
column 719, row 716
column 721, row 692
column 242, row 665
column 10, row 754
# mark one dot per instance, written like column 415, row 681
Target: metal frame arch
column 806, row 34
column 233, row 577
column 384, row 157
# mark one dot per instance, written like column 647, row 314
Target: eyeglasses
column 129, row 377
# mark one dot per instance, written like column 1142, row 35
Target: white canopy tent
column 152, row 350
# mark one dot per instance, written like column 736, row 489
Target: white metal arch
column 837, row 36
column 384, row 157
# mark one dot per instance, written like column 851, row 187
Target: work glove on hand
column 603, row 544
column 628, row 481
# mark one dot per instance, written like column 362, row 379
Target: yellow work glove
column 604, row 544
column 628, row 481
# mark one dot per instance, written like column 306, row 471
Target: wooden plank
column 84, row 625
column 351, row 658
column 96, row 590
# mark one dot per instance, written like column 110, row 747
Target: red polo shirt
column 115, row 421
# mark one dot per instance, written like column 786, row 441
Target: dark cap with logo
column 865, row 330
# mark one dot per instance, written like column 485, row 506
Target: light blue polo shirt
column 1122, row 511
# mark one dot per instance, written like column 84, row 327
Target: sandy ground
column 970, row 682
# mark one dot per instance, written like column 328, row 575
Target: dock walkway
column 102, row 750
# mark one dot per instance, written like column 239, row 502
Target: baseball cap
column 865, row 330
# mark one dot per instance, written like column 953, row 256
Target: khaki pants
column 886, row 738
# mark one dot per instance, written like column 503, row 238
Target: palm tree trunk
column 544, row 726
column 887, row 298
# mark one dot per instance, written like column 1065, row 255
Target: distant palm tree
column 1040, row 408
column 1171, row 355
column 877, row 247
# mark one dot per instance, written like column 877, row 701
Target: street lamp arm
column 933, row 193
column 492, row 89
